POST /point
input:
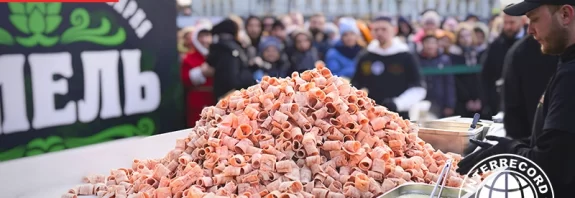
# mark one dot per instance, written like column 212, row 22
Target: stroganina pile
column 311, row 135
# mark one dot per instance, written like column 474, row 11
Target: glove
column 503, row 145
column 258, row 75
column 390, row 105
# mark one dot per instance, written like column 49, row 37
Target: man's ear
column 567, row 14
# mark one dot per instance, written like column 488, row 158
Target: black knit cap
column 227, row 26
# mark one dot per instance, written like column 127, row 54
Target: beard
column 555, row 44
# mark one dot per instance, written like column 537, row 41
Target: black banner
column 73, row 74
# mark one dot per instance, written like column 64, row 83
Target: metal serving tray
column 485, row 123
column 421, row 189
column 450, row 136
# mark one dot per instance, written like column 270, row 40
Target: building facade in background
column 358, row 8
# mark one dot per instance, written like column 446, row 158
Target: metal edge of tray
column 486, row 124
column 434, row 131
column 443, row 126
column 421, row 189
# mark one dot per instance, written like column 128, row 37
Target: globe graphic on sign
column 506, row 184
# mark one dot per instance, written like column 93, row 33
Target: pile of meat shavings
column 311, row 135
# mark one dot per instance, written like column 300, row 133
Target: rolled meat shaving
column 388, row 184
column 232, row 171
column 375, row 175
column 335, row 186
column 251, row 178
column 328, row 180
column 144, row 188
column 94, row 178
column 101, row 193
column 332, row 172
column 305, row 174
column 407, row 163
column 243, row 187
column 272, row 150
column 291, row 186
column 243, row 131
column 267, row 162
column 319, row 192
column 454, row 182
column 415, row 173
column 74, row 190
column 345, row 170
column 335, row 195
column 173, row 165
column 355, row 159
column 332, row 145
column 351, row 191
column 312, row 160
column 365, row 164
column 415, row 153
column 379, row 122
column 398, row 181
column 362, row 182
column 184, row 158
column 164, row 182
column 370, row 141
column 274, row 185
column 237, row 160
column 378, row 165
column 85, row 189
column 285, row 166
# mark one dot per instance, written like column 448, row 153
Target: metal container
column 421, row 190
column 485, row 123
column 449, row 136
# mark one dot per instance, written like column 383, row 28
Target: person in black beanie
column 229, row 59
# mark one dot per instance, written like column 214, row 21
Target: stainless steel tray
column 421, row 189
column 485, row 123
column 450, row 136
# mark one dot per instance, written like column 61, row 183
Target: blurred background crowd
column 454, row 62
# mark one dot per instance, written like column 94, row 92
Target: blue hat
column 347, row 25
column 270, row 41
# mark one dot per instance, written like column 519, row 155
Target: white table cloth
column 51, row 175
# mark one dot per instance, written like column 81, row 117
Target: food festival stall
column 55, row 174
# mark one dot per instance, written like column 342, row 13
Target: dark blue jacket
column 440, row 88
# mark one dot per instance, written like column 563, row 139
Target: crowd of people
column 384, row 55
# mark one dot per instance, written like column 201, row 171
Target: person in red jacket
column 196, row 74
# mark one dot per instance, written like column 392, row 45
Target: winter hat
column 431, row 16
column 299, row 31
column 270, row 41
column 227, row 26
column 201, row 28
column 347, row 24
column 330, row 28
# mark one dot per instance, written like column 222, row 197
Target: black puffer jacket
column 230, row 61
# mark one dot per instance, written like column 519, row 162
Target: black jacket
column 231, row 66
column 526, row 73
column 278, row 69
column 492, row 62
column 392, row 76
column 552, row 141
column 302, row 61
column 467, row 86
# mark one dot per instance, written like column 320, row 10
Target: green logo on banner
column 39, row 20
column 144, row 127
